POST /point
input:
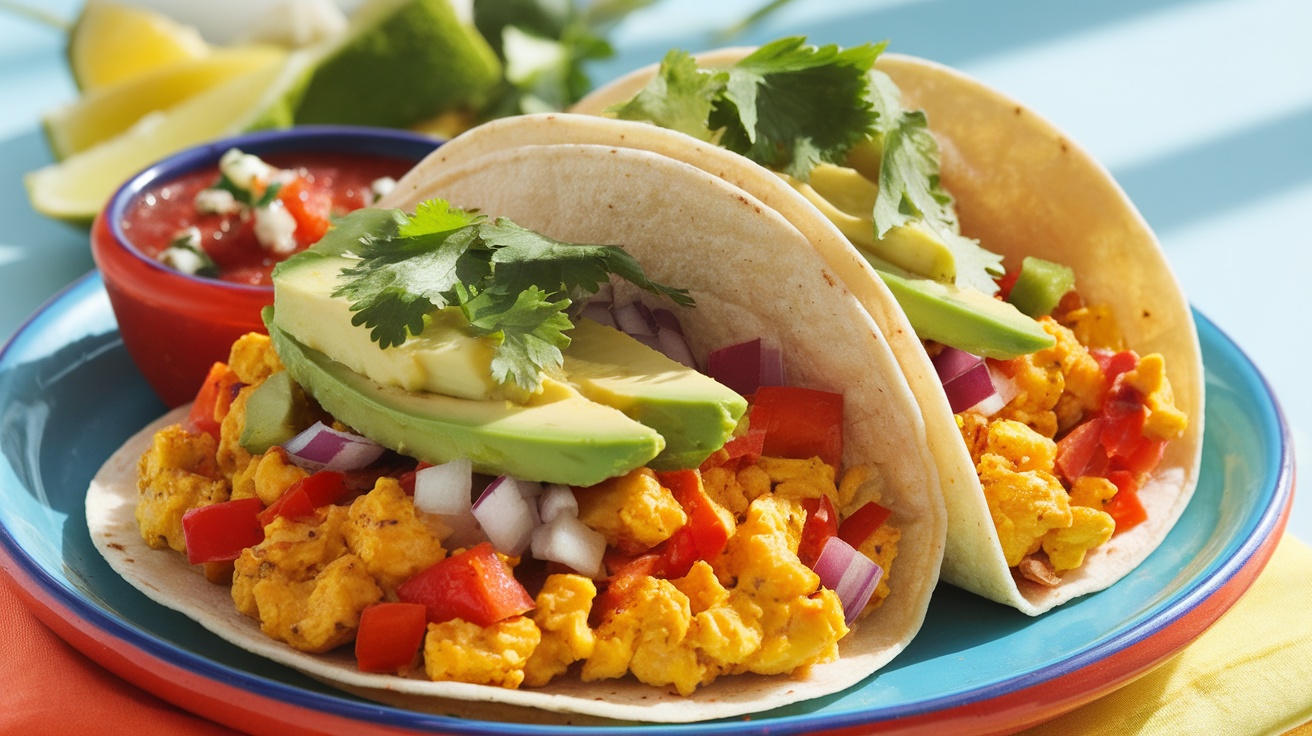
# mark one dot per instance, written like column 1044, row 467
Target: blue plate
column 69, row 395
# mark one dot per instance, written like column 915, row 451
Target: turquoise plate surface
column 69, row 395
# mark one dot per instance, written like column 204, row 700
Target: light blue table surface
column 1201, row 109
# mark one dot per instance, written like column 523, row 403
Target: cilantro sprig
column 789, row 107
column 510, row 282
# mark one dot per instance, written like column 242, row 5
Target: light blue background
column 1201, row 109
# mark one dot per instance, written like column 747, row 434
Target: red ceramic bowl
column 175, row 325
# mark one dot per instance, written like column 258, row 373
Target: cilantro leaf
column 400, row 280
column 531, row 327
column 789, row 106
column 680, row 97
column 523, row 258
column 510, row 282
column 909, row 189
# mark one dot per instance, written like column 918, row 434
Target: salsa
column 233, row 237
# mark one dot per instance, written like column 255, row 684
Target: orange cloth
column 34, row 663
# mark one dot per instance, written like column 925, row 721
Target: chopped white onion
column 506, row 516
column 445, row 489
column 323, row 448
column 571, row 543
column 850, row 574
column 557, row 500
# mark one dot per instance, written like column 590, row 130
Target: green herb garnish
column 789, row 107
column 510, row 282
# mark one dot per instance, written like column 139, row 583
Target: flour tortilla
column 753, row 275
column 1022, row 187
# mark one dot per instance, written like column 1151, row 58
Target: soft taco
column 693, row 524
column 998, row 194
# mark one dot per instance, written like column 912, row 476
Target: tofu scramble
column 1050, row 501
column 667, row 617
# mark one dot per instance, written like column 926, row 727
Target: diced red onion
column 634, row 320
column 850, row 574
column 965, row 378
column 747, row 366
column 445, row 489
column 507, row 517
column 557, row 500
column 666, row 320
column 571, row 543
column 323, row 448
column 1004, row 390
column 605, row 294
column 675, row 347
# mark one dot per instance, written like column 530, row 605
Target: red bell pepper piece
column 737, row 452
column 212, row 400
column 389, row 636
column 219, row 532
column 474, row 585
column 306, row 495
column 1125, row 508
column 800, row 423
column 821, row 524
column 709, row 524
column 863, row 522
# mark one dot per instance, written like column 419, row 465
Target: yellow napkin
column 1250, row 673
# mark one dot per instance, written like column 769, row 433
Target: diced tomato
column 220, row 531
column 821, row 524
column 474, row 585
column 863, row 522
column 1125, row 508
column 389, row 636
column 625, row 573
column 407, row 479
column 799, row 423
column 306, row 495
column 709, row 524
column 1144, row 459
column 676, row 555
column 1122, row 428
column 310, row 206
column 738, row 452
column 1076, row 451
column 212, row 400
column 1113, row 364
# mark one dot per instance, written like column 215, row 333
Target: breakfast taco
column 567, row 414
column 1029, row 305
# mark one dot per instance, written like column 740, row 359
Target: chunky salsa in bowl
column 186, row 246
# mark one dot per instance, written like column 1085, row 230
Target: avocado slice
column 694, row 413
column 272, row 413
column 560, row 437
column 965, row 319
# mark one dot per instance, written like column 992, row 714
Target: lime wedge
column 107, row 111
column 75, row 189
column 400, row 62
column 110, row 43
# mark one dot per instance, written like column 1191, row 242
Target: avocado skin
column 964, row 319
column 563, row 438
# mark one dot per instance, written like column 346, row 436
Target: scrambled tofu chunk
column 881, row 548
column 392, row 539
column 1165, row 421
column 178, row 473
column 1024, row 498
column 302, row 584
column 1094, row 327
column 1057, row 386
column 646, row 636
column 561, row 614
column 460, row 651
column 233, row 459
column 267, row 477
column 799, row 479
column 633, row 512
column 253, row 358
column 1089, row 528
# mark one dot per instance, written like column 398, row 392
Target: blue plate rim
column 1135, row 631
